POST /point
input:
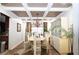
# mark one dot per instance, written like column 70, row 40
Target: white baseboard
column 10, row 48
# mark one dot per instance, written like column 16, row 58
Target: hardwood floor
column 52, row 51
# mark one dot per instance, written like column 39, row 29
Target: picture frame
column 18, row 27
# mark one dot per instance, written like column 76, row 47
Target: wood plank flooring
column 52, row 51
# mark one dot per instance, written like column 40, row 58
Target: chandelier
column 37, row 23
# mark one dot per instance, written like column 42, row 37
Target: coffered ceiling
column 61, row 5
column 37, row 4
column 53, row 14
column 37, row 13
column 12, row 4
column 31, row 10
column 20, row 13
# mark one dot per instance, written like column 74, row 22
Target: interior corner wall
column 49, row 26
column 15, row 38
column 75, row 14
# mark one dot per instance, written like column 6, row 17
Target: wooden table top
column 35, row 38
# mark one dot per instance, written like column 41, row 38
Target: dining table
column 37, row 43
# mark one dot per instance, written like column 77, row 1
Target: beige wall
column 15, row 38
